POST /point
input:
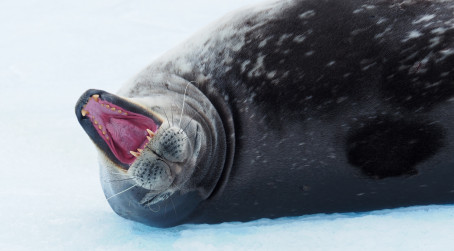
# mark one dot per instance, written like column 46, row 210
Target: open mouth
column 124, row 130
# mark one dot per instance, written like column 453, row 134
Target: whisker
column 184, row 98
column 175, row 105
column 118, row 173
column 165, row 113
column 171, row 114
column 188, row 124
column 127, row 189
column 195, row 135
column 157, row 210
column 174, row 209
column 110, row 181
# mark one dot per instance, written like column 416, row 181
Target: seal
column 285, row 109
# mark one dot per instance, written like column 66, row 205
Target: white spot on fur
column 412, row 56
column 244, row 65
column 411, row 35
column 299, row 39
column 428, row 24
column 439, row 31
column 424, row 18
column 380, row 35
column 238, row 45
column 271, row 75
column 307, row 14
column 282, row 38
column 364, row 7
column 184, row 66
column 367, row 67
column 258, row 67
column 368, row 6
column 357, row 31
column 426, row 59
column 309, row 53
column 403, row 67
column 331, row 63
column 414, row 34
column 429, row 85
column 341, row 99
column 228, row 60
column 434, row 42
column 446, row 53
column 382, row 20
column 263, row 42
column 285, row 74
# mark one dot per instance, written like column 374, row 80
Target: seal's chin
column 115, row 128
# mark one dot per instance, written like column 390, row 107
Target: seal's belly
column 348, row 162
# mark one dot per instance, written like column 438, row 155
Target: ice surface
column 50, row 194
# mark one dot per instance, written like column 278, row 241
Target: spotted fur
column 323, row 106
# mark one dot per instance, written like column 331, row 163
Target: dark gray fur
column 338, row 105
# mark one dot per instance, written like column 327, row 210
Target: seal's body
column 292, row 108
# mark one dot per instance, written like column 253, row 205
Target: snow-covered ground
column 50, row 195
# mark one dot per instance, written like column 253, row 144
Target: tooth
column 100, row 127
column 96, row 122
column 134, row 154
column 95, row 97
column 149, row 138
column 84, row 112
column 113, row 108
column 103, row 132
column 140, row 150
column 119, row 111
column 107, row 106
column 150, row 132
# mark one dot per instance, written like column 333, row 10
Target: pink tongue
column 126, row 135
column 122, row 130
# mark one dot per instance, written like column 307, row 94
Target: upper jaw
column 117, row 126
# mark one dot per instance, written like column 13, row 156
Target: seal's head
column 152, row 149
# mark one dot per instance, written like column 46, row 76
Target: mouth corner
column 83, row 100
column 120, row 128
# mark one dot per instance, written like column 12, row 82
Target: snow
column 50, row 194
